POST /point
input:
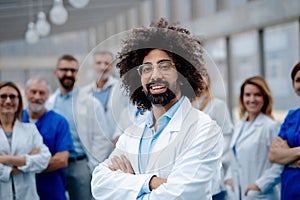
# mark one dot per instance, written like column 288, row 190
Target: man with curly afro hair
column 176, row 150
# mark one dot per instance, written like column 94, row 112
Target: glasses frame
column 159, row 66
column 12, row 97
column 65, row 70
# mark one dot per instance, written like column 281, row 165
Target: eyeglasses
column 147, row 69
column 100, row 62
column 12, row 97
column 67, row 69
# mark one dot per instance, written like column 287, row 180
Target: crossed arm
column 123, row 164
column 281, row 153
column 57, row 161
column 16, row 161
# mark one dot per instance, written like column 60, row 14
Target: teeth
column 157, row 87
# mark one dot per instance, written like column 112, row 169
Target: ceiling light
column 42, row 26
column 58, row 13
column 31, row 34
column 78, row 3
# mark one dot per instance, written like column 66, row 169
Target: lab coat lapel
column 132, row 149
column 5, row 149
column 16, row 137
column 237, row 132
column 252, row 128
column 169, row 134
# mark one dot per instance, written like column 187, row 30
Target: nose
column 156, row 73
column 37, row 95
column 69, row 73
column 252, row 98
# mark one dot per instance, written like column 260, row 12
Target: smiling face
column 161, row 85
column 9, row 100
column 296, row 83
column 253, row 100
column 37, row 94
column 66, row 72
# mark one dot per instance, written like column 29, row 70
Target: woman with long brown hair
column 22, row 151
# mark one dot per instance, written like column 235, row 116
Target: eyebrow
column 162, row 60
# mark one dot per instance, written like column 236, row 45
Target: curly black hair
column 185, row 50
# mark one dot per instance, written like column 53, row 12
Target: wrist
column 151, row 183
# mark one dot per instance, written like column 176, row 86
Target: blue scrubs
column 55, row 131
column 290, row 131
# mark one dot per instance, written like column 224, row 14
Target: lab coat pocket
column 231, row 195
column 253, row 195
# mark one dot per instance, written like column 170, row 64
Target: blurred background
column 242, row 38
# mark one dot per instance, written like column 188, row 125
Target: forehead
column 251, row 88
column 297, row 75
column 156, row 55
column 38, row 85
column 68, row 64
column 8, row 90
column 105, row 57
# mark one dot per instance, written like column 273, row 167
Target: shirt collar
column 68, row 95
column 110, row 82
column 169, row 114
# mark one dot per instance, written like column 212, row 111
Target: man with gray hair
column 107, row 89
column 54, row 129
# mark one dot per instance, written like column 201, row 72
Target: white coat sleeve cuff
column 5, row 172
column 27, row 164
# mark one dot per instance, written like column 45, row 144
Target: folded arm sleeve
column 108, row 184
column 192, row 174
column 37, row 162
column 5, row 172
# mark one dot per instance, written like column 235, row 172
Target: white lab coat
column 91, row 127
column 250, row 164
column 117, row 102
column 187, row 153
column 218, row 111
column 25, row 138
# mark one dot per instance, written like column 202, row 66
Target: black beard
column 163, row 98
column 67, row 87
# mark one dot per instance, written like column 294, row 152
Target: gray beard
column 36, row 109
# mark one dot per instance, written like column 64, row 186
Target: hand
column 34, row 151
column 279, row 143
column 155, row 182
column 116, row 140
column 296, row 163
column 15, row 171
column 230, row 183
column 251, row 187
column 121, row 163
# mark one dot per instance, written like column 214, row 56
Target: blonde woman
column 22, row 151
column 250, row 174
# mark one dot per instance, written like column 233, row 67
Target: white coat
column 25, row 138
column 218, row 111
column 117, row 102
column 187, row 153
column 250, row 164
column 91, row 127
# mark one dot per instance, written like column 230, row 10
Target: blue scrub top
column 55, row 131
column 290, row 131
